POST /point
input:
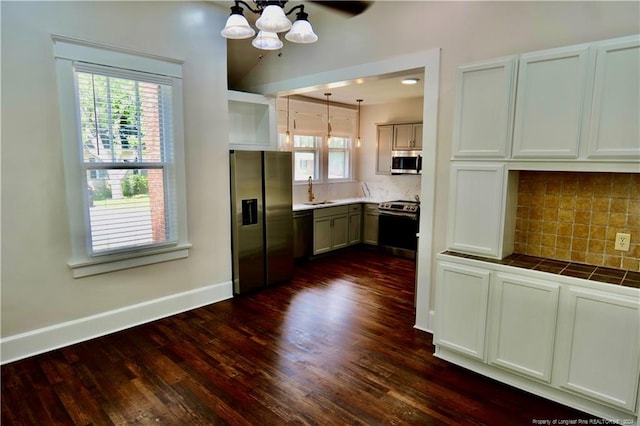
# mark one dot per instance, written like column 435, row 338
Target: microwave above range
column 406, row 162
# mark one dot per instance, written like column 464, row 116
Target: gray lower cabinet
column 370, row 224
column 330, row 228
column 355, row 224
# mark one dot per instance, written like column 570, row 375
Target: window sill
column 125, row 261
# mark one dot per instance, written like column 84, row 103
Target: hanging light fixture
column 328, row 120
column 287, row 135
column 359, row 101
column 272, row 20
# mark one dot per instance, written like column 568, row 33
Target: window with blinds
column 125, row 127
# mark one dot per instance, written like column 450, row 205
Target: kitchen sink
column 318, row 203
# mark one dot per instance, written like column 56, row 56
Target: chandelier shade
column 266, row 40
column 301, row 32
column 272, row 20
column 237, row 27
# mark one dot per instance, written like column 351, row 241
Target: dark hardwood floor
column 334, row 347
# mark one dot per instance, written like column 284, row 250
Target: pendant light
column 287, row 135
column 359, row 101
column 328, row 120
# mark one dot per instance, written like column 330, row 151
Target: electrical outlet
column 622, row 241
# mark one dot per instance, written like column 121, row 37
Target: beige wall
column 37, row 287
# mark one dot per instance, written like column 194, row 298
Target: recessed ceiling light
column 409, row 81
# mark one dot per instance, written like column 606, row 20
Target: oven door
column 398, row 230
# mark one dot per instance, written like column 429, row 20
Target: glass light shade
column 273, row 20
column 237, row 27
column 301, row 32
column 267, row 41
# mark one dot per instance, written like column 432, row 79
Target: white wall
column 465, row 32
column 37, row 287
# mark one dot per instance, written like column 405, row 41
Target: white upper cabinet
column 614, row 131
column 552, row 89
column 484, row 109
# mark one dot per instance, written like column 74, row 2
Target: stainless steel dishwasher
column 302, row 234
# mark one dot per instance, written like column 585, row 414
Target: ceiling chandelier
column 272, row 20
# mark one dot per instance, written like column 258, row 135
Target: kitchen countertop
column 577, row 270
column 334, row 203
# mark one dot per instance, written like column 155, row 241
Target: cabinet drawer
column 330, row 211
column 355, row 208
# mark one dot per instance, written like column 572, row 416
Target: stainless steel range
column 398, row 225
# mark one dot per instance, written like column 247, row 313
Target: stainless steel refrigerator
column 261, row 219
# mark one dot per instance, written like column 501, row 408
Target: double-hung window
column 306, row 157
column 124, row 165
column 339, row 160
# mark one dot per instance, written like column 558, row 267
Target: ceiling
column 380, row 89
column 242, row 57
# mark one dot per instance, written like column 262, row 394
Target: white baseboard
column 56, row 336
column 426, row 327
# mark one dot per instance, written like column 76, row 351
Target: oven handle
column 413, row 216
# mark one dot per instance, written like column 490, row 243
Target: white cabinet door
column 522, row 324
column 552, row 89
column 462, row 294
column 322, row 235
column 484, row 109
column 340, row 231
column 385, row 142
column 476, row 209
column 599, row 346
column 615, row 115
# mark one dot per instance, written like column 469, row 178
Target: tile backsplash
column 574, row 216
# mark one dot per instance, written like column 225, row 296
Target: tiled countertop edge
column 577, row 270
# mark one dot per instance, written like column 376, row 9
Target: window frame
column 317, row 151
column 349, row 161
column 67, row 52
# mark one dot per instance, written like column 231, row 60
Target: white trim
column 98, row 53
column 56, row 336
column 542, row 390
column 68, row 50
column 109, row 263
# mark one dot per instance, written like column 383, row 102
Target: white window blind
column 126, row 143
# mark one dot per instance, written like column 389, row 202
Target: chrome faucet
column 310, row 190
